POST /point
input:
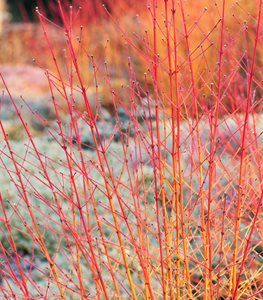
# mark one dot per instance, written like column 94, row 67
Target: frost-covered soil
column 130, row 162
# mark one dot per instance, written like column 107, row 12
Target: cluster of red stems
column 166, row 235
